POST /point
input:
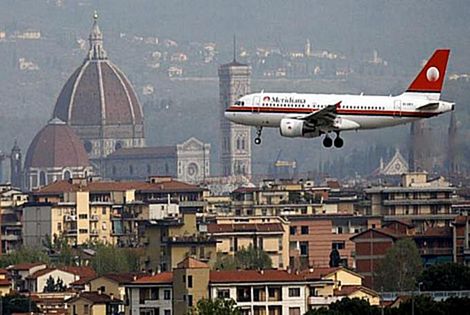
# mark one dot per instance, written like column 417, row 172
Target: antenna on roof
column 234, row 48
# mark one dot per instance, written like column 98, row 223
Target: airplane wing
column 324, row 117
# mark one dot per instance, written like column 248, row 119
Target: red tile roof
column 5, row 282
column 123, row 278
column 24, row 266
column 244, row 227
column 347, row 290
column 160, row 278
column 95, row 298
column 67, row 186
column 319, row 273
column 81, row 271
column 241, row 276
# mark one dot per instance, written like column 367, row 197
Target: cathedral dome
column 98, row 93
column 56, row 146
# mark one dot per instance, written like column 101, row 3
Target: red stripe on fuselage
column 340, row 111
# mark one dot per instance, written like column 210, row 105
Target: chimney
column 310, row 269
column 261, row 271
column 99, row 291
column 111, row 296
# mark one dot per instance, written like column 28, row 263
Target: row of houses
column 176, row 292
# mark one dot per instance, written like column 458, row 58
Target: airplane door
column 256, row 103
column 397, row 108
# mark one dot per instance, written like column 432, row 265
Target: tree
column 400, row 267
column 110, row 259
column 445, row 277
column 246, row 258
column 335, row 258
column 215, row 307
column 346, row 306
column 50, row 285
column 17, row 303
column 24, row 255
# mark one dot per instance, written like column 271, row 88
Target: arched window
column 67, row 175
column 42, row 178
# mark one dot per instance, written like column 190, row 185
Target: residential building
column 461, row 239
column 93, row 303
column 37, row 282
column 169, row 241
column 270, row 234
column 420, row 201
column 20, row 272
column 313, row 237
column 5, row 282
column 84, row 210
column 152, row 294
column 190, row 283
column 11, row 201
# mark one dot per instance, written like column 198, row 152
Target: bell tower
column 234, row 82
column 16, row 167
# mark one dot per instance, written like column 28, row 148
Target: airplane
column 313, row 115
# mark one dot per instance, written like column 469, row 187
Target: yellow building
column 11, row 201
column 5, row 283
column 93, row 303
column 190, row 283
column 172, row 240
column 271, row 234
column 333, row 284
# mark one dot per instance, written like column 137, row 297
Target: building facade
column 234, row 82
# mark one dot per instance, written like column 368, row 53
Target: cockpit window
column 237, row 103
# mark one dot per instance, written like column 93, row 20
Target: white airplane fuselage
column 354, row 112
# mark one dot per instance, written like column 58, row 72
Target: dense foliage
column 445, row 277
column 16, row 303
column 400, row 268
column 423, row 305
column 215, row 307
column 246, row 258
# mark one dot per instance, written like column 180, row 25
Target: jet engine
column 293, row 128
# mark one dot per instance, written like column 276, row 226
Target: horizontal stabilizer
column 428, row 106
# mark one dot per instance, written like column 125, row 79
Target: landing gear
column 258, row 135
column 338, row 141
column 327, row 141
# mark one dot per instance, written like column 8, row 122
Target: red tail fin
column 431, row 77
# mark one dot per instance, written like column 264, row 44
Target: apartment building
column 418, row 200
column 111, row 212
column 11, row 201
column 271, row 234
column 313, row 237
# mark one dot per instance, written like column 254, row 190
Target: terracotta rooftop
column 319, row 273
column 123, row 278
column 81, row 271
column 95, row 298
column 192, row 263
column 240, row 276
column 437, row 231
column 5, row 282
column 67, row 186
column 244, row 227
column 347, row 290
column 164, row 277
column 384, row 231
column 24, row 266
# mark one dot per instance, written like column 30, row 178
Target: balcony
column 412, row 202
column 94, row 232
column 322, row 300
column 71, row 232
column 192, row 204
column 435, row 251
column 11, row 237
column 94, row 217
column 70, row 218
